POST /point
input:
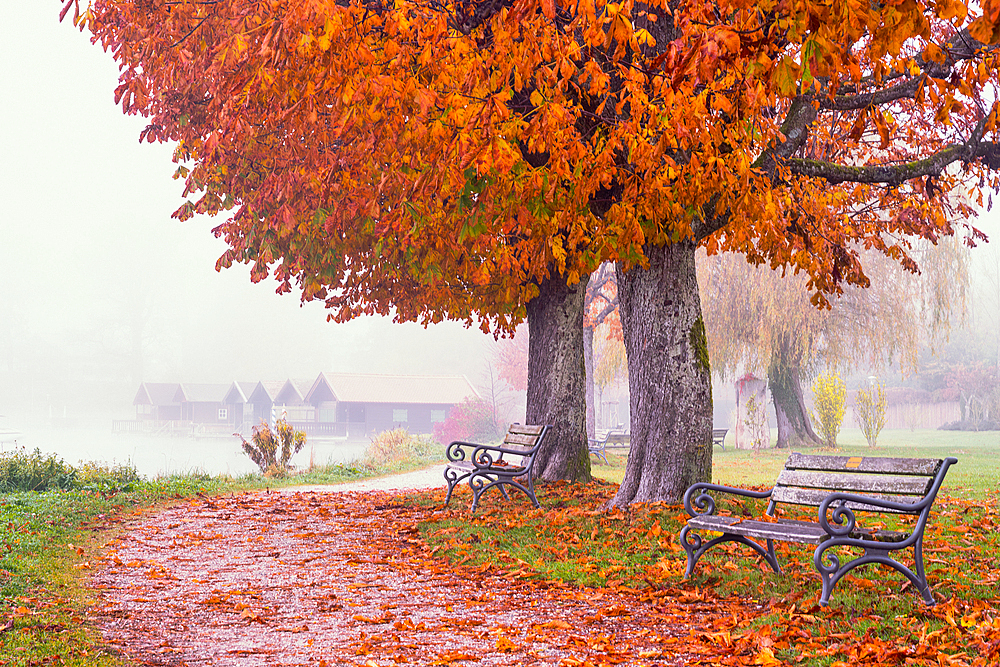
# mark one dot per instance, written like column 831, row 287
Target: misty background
column 100, row 289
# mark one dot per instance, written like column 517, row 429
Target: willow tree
column 758, row 319
column 600, row 307
column 477, row 159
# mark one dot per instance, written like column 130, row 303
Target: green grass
column 49, row 538
column 570, row 539
column 977, row 470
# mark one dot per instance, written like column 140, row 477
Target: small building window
column 438, row 416
column 400, row 415
column 223, row 413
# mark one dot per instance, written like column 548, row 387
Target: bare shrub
column 272, row 450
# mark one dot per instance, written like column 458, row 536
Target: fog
column 100, row 289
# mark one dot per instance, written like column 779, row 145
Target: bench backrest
column 524, row 438
column 808, row 479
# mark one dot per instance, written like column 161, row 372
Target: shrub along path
column 266, row 578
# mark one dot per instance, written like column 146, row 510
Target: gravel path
column 342, row 578
column 426, row 478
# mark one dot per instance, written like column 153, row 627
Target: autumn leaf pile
column 372, row 579
column 875, row 618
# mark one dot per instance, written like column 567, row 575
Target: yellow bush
column 869, row 409
column 829, row 401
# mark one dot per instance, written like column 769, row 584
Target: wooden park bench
column 599, row 446
column 484, row 465
column 719, row 437
column 838, row 486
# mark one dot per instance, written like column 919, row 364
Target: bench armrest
column 483, row 455
column 456, row 450
column 697, row 502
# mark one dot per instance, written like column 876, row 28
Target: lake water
column 164, row 455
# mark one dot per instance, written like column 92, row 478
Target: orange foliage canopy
column 440, row 158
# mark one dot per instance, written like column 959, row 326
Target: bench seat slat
column 813, row 497
column 854, row 482
column 468, row 466
column 870, row 464
column 526, row 429
column 787, row 531
column 521, row 439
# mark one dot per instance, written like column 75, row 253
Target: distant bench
column 719, row 437
column 484, row 465
column 838, row 486
column 599, row 446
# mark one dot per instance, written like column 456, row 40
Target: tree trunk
column 556, row 394
column 588, row 363
column 669, row 378
column 794, row 426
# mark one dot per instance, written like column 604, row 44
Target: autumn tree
column 759, row 320
column 478, row 159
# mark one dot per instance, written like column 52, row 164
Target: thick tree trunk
column 588, row 363
column 794, row 427
column 556, row 378
column 669, row 378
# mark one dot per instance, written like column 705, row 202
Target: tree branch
column 961, row 46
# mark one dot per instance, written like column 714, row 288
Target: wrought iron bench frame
column 831, row 484
column 484, row 465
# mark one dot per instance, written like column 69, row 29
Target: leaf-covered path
column 343, row 579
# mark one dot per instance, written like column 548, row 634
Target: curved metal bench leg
column 918, row 556
column 478, row 486
column 480, row 483
column 531, row 491
column 695, row 548
column 452, row 478
column 832, row 571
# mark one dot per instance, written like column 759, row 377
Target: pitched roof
column 368, row 388
column 239, row 392
column 156, row 393
column 201, row 393
column 293, row 392
column 264, row 392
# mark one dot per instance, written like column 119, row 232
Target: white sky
column 86, row 235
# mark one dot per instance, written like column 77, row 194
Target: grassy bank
column 55, row 519
column 49, row 540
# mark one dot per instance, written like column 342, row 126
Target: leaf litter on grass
column 345, row 579
column 376, row 579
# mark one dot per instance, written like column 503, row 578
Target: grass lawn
column 48, row 540
column 977, row 470
column 874, row 617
